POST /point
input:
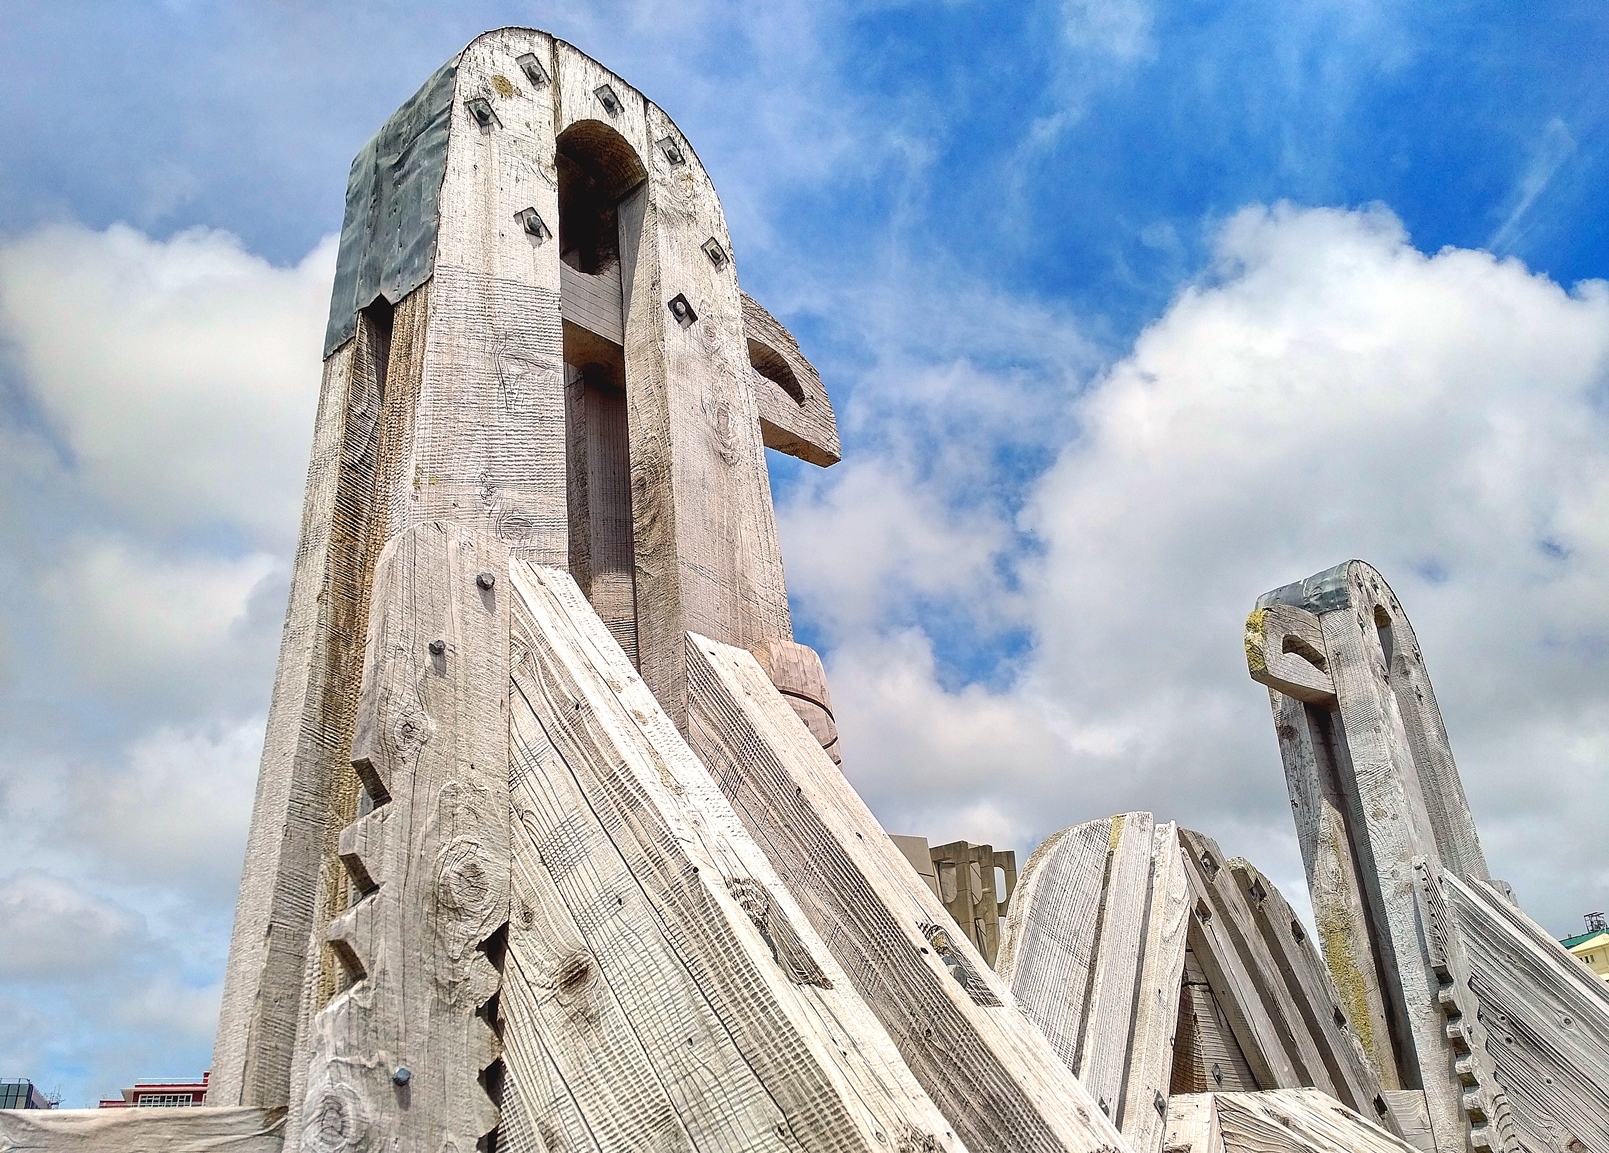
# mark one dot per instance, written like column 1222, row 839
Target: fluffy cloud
column 176, row 378
column 156, row 399
column 1326, row 391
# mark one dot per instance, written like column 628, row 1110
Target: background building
column 161, row 1094
column 1593, row 945
column 23, row 1095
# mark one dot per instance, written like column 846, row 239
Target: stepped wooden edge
column 201, row 1129
column 1272, row 1121
column 1094, row 952
column 405, row 1055
column 1528, row 1022
column 663, row 988
column 955, row 1022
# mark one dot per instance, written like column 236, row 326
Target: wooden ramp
column 1155, row 966
column 1272, row 1121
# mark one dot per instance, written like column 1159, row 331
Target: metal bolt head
column 437, row 648
column 486, row 580
column 402, row 1075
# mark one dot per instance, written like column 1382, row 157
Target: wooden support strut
column 955, row 1023
column 404, row 1056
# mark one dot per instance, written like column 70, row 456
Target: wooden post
column 956, row 1025
column 1374, row 788
column 400, row 1057
column 454, row 323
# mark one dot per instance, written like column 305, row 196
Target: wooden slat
column 985, row 1065
column 1206, row 1056
column 430, row 746
column 1545, row 1016
column 663, row 988
column 1149, row 1066
column 1311, row 994
column 1294, row 1121
column 199, row 1129
column 1217, row 935
column 1103, row 1052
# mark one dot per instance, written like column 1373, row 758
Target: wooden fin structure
column 985, row 1065
column 1273, row 1121
column 1094, row 953
column 1155, row 966
column 665, row 990
column 1432, row 958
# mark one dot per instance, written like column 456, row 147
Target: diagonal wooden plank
column 659, row 971
column 985, row 1065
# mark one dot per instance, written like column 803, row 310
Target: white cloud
column 51, row 928
column 179, row 376
column 1326, row 392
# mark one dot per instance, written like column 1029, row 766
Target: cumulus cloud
column 1325, row 391
column 156, row 401
column 176, row 378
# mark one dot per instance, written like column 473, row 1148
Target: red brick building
column 160, row 1094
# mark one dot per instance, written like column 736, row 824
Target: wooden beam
column 401, row 1055
column 663, row 988
column 1273, row 1121
column 984, row 1064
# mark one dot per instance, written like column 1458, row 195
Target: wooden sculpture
column 1457, row 997
column 551, row 849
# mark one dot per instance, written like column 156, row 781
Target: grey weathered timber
column 795, row 415
column 202, row 1129
column 1273, row 1121
column 399, row 1058
column 1279, row 1001
column 1094, row 952
column 966, row 884
column 797, row 673
column 456, row 327
column 1530, row 1022
column 989, row 1070
column 663, row 989
column 1374, row 788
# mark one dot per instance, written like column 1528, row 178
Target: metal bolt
column 486, row 580
column 679, row 307
column 437, row 648
column 402, row 1075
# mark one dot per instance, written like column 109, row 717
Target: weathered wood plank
column 985, row 1065
column 1294, row 1121
column 1545, row 1017
column 1103, row 1051
column 201, row 1129
column 656, row 961
column 1206, row 1056
column 1149, row 1073
column 398, row 1056
column 1313, row 1004
column 1218, row 934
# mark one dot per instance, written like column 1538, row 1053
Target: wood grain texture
column 280, row 972
column 984, row 1064
column 664, row 989
column 201, row 1129
column 1094, row 953
column 1311, row 1000
column 1383, row 757
column 1536, row 1070
column 1285, row 651
column 420, row 945
column 1273, row 1121
column 797, row 672
column 1206, row 1055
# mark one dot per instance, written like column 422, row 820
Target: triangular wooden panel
column 1273, row 1121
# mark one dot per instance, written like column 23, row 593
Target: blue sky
column 1130, row 311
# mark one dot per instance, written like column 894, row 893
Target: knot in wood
column 463, row 884
column 335, row 1120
